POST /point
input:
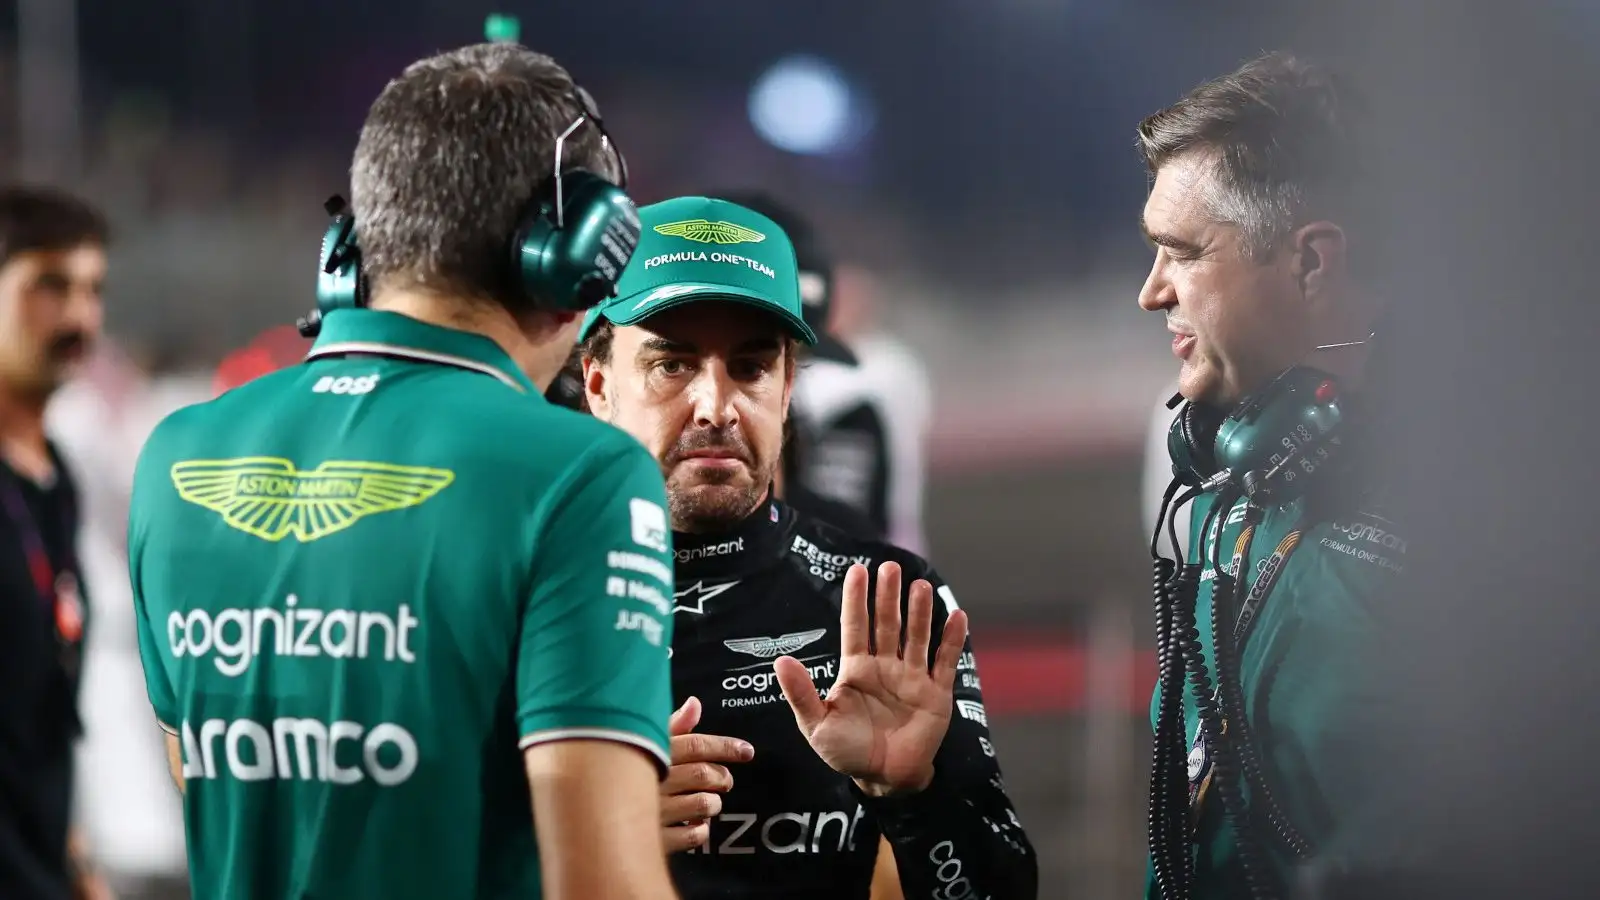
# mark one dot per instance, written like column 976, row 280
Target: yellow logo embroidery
column 268, row 498
column 707, row 232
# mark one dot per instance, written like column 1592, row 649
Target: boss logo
column 344, row 384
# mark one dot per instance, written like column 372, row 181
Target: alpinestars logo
column 773, row 647
column 693, row 598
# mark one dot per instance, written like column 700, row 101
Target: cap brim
column 631, row 312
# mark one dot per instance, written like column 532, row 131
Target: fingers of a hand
column 685, row 718
column 678, row 838
column 697, row 776
column 680, row 808
column 919, row 623
column 853, row 634
column 886, row 633
column 955, row 637
column 688, row 748
column 800, row 691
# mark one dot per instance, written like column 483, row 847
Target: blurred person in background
column 99, row 421
column 857, row 457
column 892, row 371
column 373, row 621
column 52, row 272
column 1264, row 254
column 696, row 358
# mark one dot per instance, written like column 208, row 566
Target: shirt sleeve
column 151, row 634
column 963, row 826
column 596, row 631
column 1327, row 703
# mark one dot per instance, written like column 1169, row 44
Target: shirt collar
column 750, row 545
column 381, row 333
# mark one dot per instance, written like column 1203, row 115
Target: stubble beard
column 706, row 506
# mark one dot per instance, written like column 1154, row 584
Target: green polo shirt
column 364, row 584
column 1309, row 672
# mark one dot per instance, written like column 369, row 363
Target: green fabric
column 697, row 248
column 1316, row 634
column 361, row 583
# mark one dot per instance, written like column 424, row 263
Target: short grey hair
column 1283, row 136
column 450, row 155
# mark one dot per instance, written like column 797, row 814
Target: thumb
column 801, row 692
column 685, row 718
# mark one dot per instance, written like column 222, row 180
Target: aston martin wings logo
column 268, row 498
column 705, row 231
column 773, row 647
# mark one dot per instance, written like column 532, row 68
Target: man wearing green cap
column 695, row 357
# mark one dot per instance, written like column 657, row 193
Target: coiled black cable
column 1228, row 654
column 1222, row 745
column 1171, row 828
column 1165, row 832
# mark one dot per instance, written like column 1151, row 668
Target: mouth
column 1183, row 345
column 716, row 459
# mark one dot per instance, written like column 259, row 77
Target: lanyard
column 57, row 591
column 1271, row 569
column 40, row 568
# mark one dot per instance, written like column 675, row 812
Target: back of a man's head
column 450, row 155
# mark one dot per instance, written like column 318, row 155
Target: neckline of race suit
column 752, row 544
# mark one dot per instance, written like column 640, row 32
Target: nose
column 713, row 393
column 1158, row 293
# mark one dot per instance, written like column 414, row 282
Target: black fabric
column 38, row 706
column 842, row 516
column 566, row 390
column 792, row 827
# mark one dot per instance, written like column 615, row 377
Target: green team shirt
column 363, row 585
column 1310, row 693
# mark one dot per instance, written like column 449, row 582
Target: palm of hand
column 889, row 709
column 881, row 722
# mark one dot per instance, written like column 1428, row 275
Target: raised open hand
column 888, row 710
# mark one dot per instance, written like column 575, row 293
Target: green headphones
column 568, row 250
column 1270, row 446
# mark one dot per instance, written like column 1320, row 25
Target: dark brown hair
column 38, row 218
column 450, row 156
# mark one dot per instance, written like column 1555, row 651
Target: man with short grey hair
column 1264, row 257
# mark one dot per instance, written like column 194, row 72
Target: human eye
column 753, row 368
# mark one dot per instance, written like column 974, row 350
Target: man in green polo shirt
column 383, row 594
column 1271, row 701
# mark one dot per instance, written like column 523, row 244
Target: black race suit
column 792, row 827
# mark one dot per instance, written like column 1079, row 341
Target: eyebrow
column 662, row 345
column 1162, row 239
column 768, row 344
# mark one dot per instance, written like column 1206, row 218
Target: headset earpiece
column 574, row 239
column 1190, row 440
column 1270, row 446
column 568, row 257
column 340, row 284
